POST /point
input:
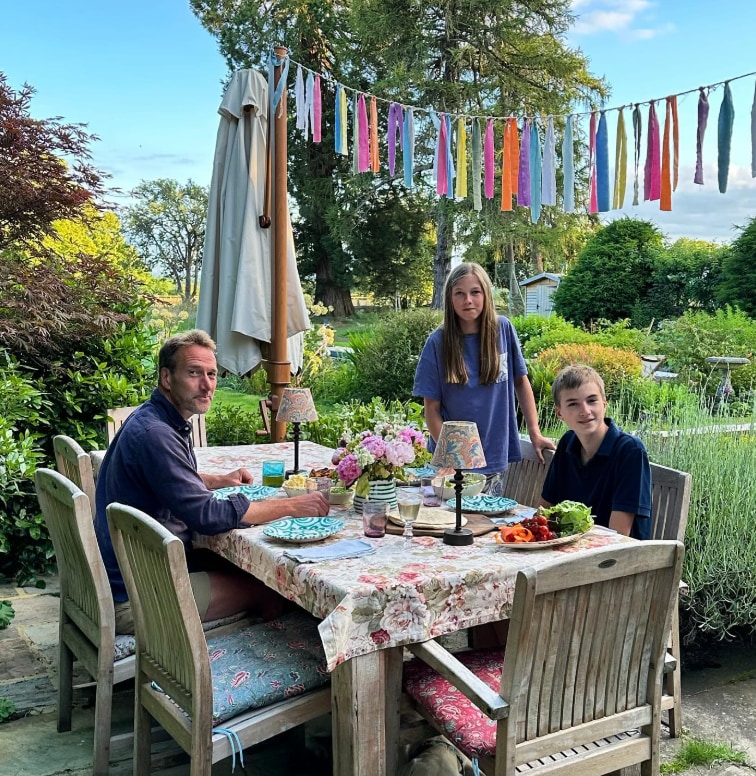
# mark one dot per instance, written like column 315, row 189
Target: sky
column 147, row 79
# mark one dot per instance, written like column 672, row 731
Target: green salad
column 571, row 517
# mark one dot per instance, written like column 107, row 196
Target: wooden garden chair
column 87, row 619
column 75, row 464
column 118, row 415
column 578, row 692
column 524, row 479
column 242, row 687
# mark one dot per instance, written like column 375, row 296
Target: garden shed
column 538, row 292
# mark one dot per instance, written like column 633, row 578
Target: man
column 151, row 465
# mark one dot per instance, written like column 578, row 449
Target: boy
column 596, row 462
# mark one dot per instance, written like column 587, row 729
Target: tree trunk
column 442, row 257
column 340, row 299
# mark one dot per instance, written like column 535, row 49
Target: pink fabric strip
column 593, row 203
column 653, row 133
column 363, row 162
column 317, row 111
column 488, row 161
column 441, row 157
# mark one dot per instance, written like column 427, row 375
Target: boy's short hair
column 572, row 377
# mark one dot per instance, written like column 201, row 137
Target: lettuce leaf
column 571, row 517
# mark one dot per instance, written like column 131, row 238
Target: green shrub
column 385, row 358
column 537, row 337
column 229, row 425
column 6, row 614
column 7, row 708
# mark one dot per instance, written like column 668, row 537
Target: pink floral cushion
column 462, row 722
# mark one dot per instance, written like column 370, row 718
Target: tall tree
column 167, row 226
column 37, row 185
column 738, row 286
column 475, row 58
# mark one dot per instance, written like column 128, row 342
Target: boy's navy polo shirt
column 618, row 477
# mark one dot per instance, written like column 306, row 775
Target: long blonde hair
column 452, row 340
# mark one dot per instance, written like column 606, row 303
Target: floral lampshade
column 296, row 406
column 459, row 446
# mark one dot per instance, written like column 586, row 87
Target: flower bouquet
column 380, row 453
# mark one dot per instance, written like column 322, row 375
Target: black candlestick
column 296, row 451
column 458, row 536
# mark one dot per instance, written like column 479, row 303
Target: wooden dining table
column 372, row 606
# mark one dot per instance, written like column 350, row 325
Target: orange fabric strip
column 506, row 172
column 375, row 164
column 675, row 144
column 514, row 153
column 665, row 197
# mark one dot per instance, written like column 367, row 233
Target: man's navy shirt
column 618, row 477
column 151, row 465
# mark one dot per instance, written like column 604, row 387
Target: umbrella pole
column 278, row 366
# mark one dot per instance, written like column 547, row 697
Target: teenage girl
column 472, row 367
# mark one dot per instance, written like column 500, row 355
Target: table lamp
column 458, row 447
column 296, row 407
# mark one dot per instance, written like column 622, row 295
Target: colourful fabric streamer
column 408, row 147
column 355, row 136
column 449, row 159
column 602, row 164
column 488, row 160
column 665, row 195
column 523, row 177
column 441, row 157
column 637, row 135
column 514, row 153
column 620, row 163
column 593, row 195
column 375, row 162
column 652, row 170
column 506, row 173
column 460, row 190
column 337, row 133
column 476, row 171
column 703, row 118
column 299, row 100
column 675, row 143
column 535, row 173
column 568, row 165
column 364, row 136
column 317, row 111
column 548, row 180
column 309, row 100
column 724, row 137
column 394, row 126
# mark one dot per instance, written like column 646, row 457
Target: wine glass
column 409, row 508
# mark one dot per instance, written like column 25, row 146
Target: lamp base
column 460, row 538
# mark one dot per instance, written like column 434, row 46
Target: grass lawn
column 343, row 327
column 229, row 398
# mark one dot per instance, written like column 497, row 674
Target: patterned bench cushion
column 265, row 663
column 465, row 725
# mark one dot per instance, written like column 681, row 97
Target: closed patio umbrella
column 236, row 305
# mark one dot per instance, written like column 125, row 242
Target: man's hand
column 229, row 480
column 308, row 505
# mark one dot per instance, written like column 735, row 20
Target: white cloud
column 617, row 16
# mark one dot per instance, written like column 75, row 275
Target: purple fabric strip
column 394, row 126
column 523, row 177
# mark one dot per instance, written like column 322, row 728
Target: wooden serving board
column 478, row 524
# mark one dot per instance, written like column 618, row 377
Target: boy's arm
column 526, row 399
column 621, row 522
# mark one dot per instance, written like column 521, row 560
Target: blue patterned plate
column 484, row 505
column 303, row 529
column 252, row 492
column 414, row 473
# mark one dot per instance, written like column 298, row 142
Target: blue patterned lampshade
column 459, row 446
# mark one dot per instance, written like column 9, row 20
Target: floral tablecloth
column 393, row 597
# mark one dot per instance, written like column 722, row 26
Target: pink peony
column 348, row 468
column 375, row 445
column 399, row 453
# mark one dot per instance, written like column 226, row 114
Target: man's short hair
column 168, row 355
column 572, row 377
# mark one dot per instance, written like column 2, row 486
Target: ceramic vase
column 380, row 490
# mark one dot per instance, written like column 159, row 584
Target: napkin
column 347, row 548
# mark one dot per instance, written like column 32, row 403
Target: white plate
column 303, row 529
column 483, row 504
column 433, row 518
column 548, row 544
column 252, row 492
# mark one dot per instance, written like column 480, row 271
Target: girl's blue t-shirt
column 491, row 407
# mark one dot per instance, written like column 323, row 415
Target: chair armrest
column 486, row 699
column 670, row 662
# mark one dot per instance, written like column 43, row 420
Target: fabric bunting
column 309, row 104
column 355, row 136
column 602, row 164
column 363, row 135
column 535, row 173
column 375, row 164
column 476, row 170
column 637, row 138
column 506, row 172
column 669, row 166
column 523, row 177
column 299, row 100
column 394, row 126
column 461, row 187
column 408, row 147
column 548, row 184
column 568, row 162
column 449, row 159
column 514, row 153
column 620, row 163
column 703, row 118
column 488, row 160
column 340, row 130
column 441, row 156
column 724, row 138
